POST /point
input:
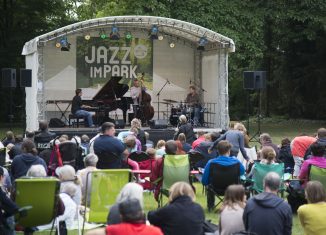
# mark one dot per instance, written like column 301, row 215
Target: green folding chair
column 104, row 186
column 317, row 173
column 42, row 195
column 175, row 168
column 260, row 171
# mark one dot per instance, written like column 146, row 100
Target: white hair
column 69, row 188
column 183, row 118
column 36, row 171
column 67, row 173
column 129, row 191
column 91, row 159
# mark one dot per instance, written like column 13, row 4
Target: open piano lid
column 112, row 90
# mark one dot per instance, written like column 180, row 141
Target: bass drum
column 174, row 119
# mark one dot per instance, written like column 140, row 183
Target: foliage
column 285, row 38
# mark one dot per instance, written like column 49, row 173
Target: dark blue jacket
column 22, row 162
column 267, row 214
column 181, row 216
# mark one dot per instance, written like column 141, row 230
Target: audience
column 231, row 211
column 299, row 146
column 312, row 215
column 266, row 140
column 160, row 148
column 185, row 128
column 90, row 162
column 277, row 212
column 224, row 148
column 133, row 221
column 182, row 215
column 285, row 155
column 201, row 138
column 317, row 159
column 321, row 139
column 129, row 191
column 236, row 139
column 180, row 150
column 7, row 209
column 182, row 138
column 67, row 175
column 10, row 138
column 36, row 171
column 22, row 162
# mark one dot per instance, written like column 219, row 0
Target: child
column 232, row 210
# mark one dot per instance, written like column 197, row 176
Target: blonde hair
column 160, row 144
column 268, row 153
column 130, row 141
column 181, row 189
column 135, row 123
column 240, row 127
column 234, row 194
column 183, row 119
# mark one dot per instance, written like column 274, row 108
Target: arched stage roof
column 209, row 67
column 167, row 27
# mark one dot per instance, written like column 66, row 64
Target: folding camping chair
column 104, row 186
column 317, row 173
column 220, row 177
column 145, row 163
column 42, row 195
column 260, row 171
column 175, row 168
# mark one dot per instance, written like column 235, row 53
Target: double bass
column 146, row 110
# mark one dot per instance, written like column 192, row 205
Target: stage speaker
column 25, row 78
column 159, row 124
column 119, row 124
column 9, row 77
column 254, row 80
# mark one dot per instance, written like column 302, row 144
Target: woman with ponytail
column 22, row 162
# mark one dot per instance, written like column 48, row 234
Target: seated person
column 182, row 215
column 268, row 157
column 182, row 138
column 285, row 156
column 160, row 148
column 77, row 109
column 43, row 138
column 203, row 148
column 224, row 158
column 317, row 159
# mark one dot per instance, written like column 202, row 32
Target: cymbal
column 171, row 101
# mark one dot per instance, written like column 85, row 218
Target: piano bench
column 75, row 120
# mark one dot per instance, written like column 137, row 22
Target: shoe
column 92, row 126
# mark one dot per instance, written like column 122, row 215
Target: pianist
column 77, row 109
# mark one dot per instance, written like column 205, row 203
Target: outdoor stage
column 154, row 134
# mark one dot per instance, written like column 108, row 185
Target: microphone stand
column 158, row 98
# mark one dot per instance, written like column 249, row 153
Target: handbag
column 209, row 227
column 52, row 164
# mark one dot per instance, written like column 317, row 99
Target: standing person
column 107, row 143
column 182, row 215
column 77, row 108
column 299, row 146
column 185, row 128
column 232, row 210
column 136, row 124
column 277, row 212
column 193, row 101
column 43, row 138
column 236, row 139
column 312, row 215
column 135, row 93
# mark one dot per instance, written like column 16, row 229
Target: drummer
column 193, row 100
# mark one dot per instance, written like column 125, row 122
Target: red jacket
column 135, row 229
column 300, row 144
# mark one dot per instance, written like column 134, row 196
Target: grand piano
column 109, row 98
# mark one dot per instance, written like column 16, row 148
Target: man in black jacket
column 266, row 213
column 185, row 128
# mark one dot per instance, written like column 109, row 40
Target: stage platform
column 154, row 134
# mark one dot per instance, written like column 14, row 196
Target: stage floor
column 154, row 134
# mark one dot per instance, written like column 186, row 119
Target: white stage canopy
column 55, row 73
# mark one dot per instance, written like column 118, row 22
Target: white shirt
column 134, row 93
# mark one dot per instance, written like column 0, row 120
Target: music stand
column 158, row 97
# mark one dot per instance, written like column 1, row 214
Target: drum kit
column 179, row 108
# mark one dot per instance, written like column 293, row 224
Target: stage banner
column 98, row 59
